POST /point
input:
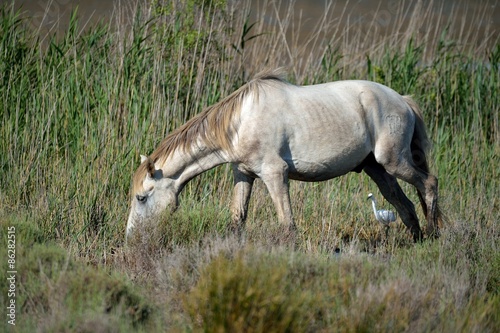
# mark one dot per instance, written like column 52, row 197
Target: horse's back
column 321, row 131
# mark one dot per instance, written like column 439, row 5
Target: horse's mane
column 215, row 125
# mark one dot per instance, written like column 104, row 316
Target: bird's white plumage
column 383, row 216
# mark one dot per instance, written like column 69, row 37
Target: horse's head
column 151, row 193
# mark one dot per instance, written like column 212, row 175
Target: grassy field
column 77, row 110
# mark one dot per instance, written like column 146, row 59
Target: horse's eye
column 141, row 198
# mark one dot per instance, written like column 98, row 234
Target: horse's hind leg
column 391, row 190
column 426, row 185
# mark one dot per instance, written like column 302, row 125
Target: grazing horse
column 276, row 131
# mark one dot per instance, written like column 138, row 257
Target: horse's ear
column 150, row 167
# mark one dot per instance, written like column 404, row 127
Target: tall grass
column 78, row 109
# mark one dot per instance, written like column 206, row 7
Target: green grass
column 79, row 109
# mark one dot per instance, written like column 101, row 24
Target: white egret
column 383, row 216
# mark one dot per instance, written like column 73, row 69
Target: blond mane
column 215, row 125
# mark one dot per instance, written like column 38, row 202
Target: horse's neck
column 184, row 166
column 201, row 164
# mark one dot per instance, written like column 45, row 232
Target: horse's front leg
column 241, row 196
column 275, row 176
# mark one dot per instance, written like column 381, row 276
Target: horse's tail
column 420, row 145
column 420, row 142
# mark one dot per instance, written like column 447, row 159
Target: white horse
column 277, row 131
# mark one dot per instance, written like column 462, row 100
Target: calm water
column 53, row 15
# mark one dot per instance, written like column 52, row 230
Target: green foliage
column 247, row 295
column 399, row 70
column 253, row 289
column 58, row 293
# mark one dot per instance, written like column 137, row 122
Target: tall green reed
column 79, row 109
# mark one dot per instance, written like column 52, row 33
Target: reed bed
column 77, row 109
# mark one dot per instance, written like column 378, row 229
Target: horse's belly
column 310, row 167
column 326, row 150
